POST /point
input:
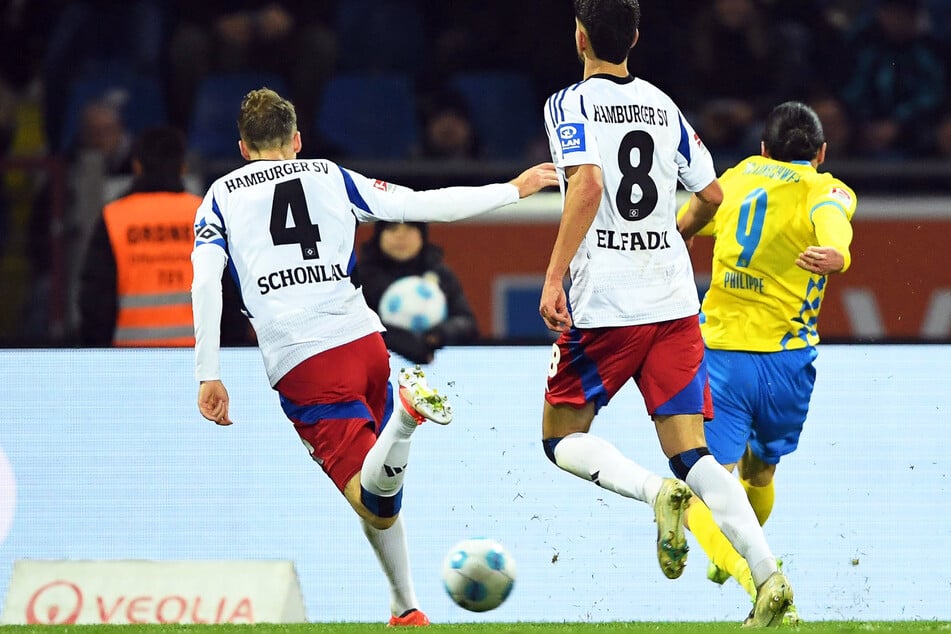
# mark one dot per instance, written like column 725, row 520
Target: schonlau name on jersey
column 312, row 274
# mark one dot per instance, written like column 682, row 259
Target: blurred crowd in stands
column 878, row 70
column 412, row 80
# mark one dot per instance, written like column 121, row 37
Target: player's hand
column 554, row 307
column 820, row 260
column 213, row 402
column 535, row 178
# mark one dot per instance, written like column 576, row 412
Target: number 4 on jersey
column 289, row 196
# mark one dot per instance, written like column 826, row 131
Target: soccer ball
column 413, row 302
column 478, row 574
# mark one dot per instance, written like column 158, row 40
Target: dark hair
column 793, row 132
column 161, row 152
column 380, row 226
column 611, row 26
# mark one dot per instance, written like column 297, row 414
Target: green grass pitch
column 827, row 627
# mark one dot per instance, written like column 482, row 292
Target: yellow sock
column 761, row 499
column 717, row 546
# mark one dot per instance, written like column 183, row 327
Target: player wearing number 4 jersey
column 620, row 146
column 782, row 229
column 286, row 230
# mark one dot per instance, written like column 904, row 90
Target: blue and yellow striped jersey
column 759, row 300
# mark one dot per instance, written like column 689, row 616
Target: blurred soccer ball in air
column 478, row 574
column 414, row 302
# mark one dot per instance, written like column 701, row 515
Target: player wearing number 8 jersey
column 620, row 146
column 286, row 229
column 782, row 229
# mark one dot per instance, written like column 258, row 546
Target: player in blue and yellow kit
column 781, row 230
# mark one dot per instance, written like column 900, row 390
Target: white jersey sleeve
column 208, row 265
column 632, row 266
column 286, row 230
column 379, row 200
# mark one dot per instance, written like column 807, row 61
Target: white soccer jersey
column 286, row 230
column 633, row 266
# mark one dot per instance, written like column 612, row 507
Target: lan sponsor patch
column 571, row 136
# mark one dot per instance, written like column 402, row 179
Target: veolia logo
column 57, row 603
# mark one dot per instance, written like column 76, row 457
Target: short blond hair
column 266, row 120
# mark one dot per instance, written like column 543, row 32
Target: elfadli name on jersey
column 632, row 240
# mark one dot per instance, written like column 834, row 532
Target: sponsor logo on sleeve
column 572, row 137
column 842, row 195
column 381, row 185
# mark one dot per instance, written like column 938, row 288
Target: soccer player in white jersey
column 620, row 146
column 286, row 229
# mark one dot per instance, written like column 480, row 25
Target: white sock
column 384, row 466
column 392, row 553
column 724, row 496
column 595, row 459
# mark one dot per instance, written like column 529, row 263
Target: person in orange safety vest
column 135, row 287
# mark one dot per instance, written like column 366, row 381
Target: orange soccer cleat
column 410, row 618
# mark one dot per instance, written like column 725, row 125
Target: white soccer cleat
column 421, row 402
column 669, row 508
column 773, row 600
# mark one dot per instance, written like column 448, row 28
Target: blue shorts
column 760, row 398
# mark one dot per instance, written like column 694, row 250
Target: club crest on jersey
column 572, row 137
column 381, row 185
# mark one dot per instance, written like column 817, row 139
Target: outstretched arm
column 401, row 204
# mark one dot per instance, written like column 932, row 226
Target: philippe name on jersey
column 630, row 113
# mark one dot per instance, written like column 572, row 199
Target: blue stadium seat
column 505, row 110
column 213, row 128
column 140, row 97
column 369, row 116
column 394, row 29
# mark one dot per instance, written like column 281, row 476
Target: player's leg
column 677, row 395
column 586, row 370
column 578, row 386
column 756, row 477
column 342, row 430
column 777, row 424
column 734, row 385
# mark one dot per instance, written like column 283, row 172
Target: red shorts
column 338, row 401
column 664, row 359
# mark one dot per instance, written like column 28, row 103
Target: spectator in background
column 101, row 152
column 103, row 34
column 102, row 130
column 896, row 84
column 739, row 69
column 835, row 123
column 447, row 131
column 289, row 38
column 135, row 287
column 943, row 135
column 399, row 250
